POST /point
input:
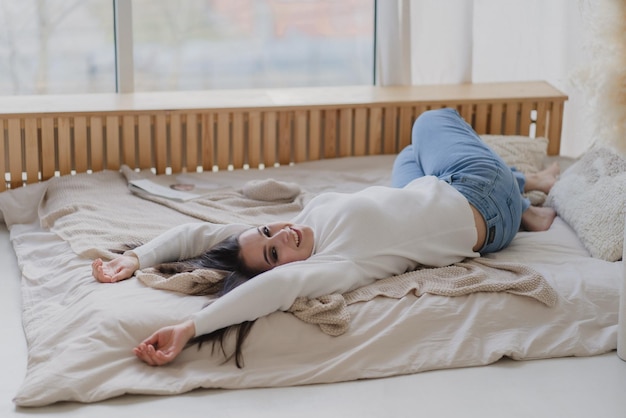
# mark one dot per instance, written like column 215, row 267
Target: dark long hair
column 225, row 256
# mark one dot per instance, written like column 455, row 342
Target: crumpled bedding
column 80, row 333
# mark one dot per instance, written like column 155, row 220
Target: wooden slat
column 405, row 126
column 345, row 132
column 112, row 142
column 81, row 147
column 542, row 120
column 255, row 135
column 417, row 111
column 330, row 133
column 31, row 150
column 390, row 133
column 285, row 137
column 360, row 131
column 207, row 141
column 15, row 152
column 64, row 145
column 269, row 138
column 191, row 134
column 96, row 141
column 467, row 112
column 238, row 139
column 160, row 143
column 223, row 140
column 300, row 140
column 315, row 134
column 48, row 149
column 129, row 150
column 554, row 133
column 193, row 138
column 495, row 122
column 145, row 150
column 524, row 121
column 375, row 140
column 481, row 119
column 176, row 143
column 511, row 124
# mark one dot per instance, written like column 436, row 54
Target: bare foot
column 538, row 218
column 544, row 179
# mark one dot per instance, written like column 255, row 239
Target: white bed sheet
column 603, row 288
column 574, row 387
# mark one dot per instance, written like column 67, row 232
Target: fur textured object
column 603, row 80
column 580, row 198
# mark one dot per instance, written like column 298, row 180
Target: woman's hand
column 118, row 269
column 166, row 344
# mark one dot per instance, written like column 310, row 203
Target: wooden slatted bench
column 169, row 132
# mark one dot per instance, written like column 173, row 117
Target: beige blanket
column 331, row 314
column 93, row 227
column 85, row 209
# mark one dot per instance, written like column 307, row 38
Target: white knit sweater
column 359, row 238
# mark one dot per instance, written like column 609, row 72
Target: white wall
column 535, row 40
column 441, row 41
column 458, row 41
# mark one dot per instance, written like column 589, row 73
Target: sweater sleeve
column 183, row 241
column 277, row 290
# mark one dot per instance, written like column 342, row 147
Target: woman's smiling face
column 275, row 244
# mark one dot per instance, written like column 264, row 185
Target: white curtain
column 393, row 43
column 461, row 41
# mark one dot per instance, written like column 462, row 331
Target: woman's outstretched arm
column 269, row 292
column 181, row 242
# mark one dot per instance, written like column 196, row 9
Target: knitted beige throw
column 331, row 312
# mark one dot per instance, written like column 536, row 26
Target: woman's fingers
column 97, row 269
column 157, row 356
column 111, row 271
column 150, row 355
column 151, row 341
column 142, row 352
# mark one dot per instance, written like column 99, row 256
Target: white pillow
column 590, row 196
column 524, row 153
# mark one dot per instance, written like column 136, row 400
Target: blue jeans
column 445, row 146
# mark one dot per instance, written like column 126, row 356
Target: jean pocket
column 471, row 183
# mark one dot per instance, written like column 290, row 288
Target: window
column 191, row 44
column 67, row 46
column 56, row 46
